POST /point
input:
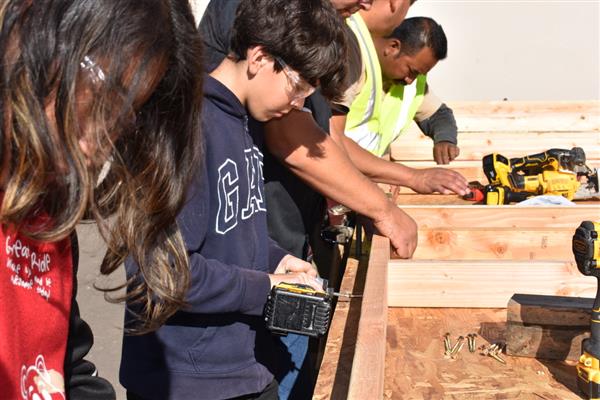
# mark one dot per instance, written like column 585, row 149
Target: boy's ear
column 256, row 58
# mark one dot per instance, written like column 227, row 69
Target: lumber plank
column 417, row 369
column 527, row 107
column 547, row 327
column 471, row 169
column 367, row 378
column 426, row 283
column 336, row 366
column 474, row 145
column 523, row 116
column 454, row 244
column 474, row 217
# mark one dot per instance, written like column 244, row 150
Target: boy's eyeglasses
column 300, row 88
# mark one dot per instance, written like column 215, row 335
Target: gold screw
column 447, row 343
column 496, row 357
column 457, row 346
column 472, row 348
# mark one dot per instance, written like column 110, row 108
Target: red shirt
column 36, row 286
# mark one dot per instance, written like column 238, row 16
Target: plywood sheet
column 416, row 368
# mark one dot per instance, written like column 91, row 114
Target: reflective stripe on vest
column 362, row 121
column 400, row 105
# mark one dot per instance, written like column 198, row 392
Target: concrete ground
column 106, row 319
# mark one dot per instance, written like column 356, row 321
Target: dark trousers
column 269, row 393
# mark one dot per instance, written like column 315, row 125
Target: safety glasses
column 300, row 88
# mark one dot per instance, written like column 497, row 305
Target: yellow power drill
column 555, row 171
column 586, row 248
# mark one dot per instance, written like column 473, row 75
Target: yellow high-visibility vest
column 400, row 105
column 362, row 121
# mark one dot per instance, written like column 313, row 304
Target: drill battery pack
column 296, row 308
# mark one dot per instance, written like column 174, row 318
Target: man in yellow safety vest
column 393, row 89
column 406, row 56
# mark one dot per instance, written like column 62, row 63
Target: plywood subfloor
column 416, row 367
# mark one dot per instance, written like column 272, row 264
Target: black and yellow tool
column 300, row 309
column 586, row 248
column 297, row 308
column 556, row 171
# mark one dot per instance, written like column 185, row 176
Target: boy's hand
column 296, row 277
column 444, row 152
column 401, row 229
column 441, row 180
column 294, row 270
column 290, row 264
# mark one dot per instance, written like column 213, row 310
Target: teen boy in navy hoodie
column 217, row 346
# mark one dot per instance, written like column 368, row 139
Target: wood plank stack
column 469, row 262
column 479, row 256
column 512, row 129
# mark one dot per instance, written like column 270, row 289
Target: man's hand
column 401, row 229
column 444, row 152
column 440, row 180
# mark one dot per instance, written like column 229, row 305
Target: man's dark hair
column 418, row 32
column 307, row 34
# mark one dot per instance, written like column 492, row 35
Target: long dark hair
column 125, row 77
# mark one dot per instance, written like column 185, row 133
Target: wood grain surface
column 482, row 217
column 464, row 283
column 366, row 380
column 475, row 145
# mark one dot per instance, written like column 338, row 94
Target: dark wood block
column 547, row 327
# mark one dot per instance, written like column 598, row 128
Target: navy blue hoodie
column 214, row 348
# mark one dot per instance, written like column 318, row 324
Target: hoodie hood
column 223, row 97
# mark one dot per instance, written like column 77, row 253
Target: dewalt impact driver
column 586, row 248
column 556, row 171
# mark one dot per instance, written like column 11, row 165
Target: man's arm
column 302, row 146
column 426, row 180
column 436, row 120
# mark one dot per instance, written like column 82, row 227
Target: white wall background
column 519, row 50
column 513, row 49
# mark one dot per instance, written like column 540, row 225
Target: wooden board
column 525, row 116
column 366, row 380
column 474, row 145
column 424, row 283
column 494, row 244
column 334, row 373
column 416, row 368
column 515, row 218
column 547, row 327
